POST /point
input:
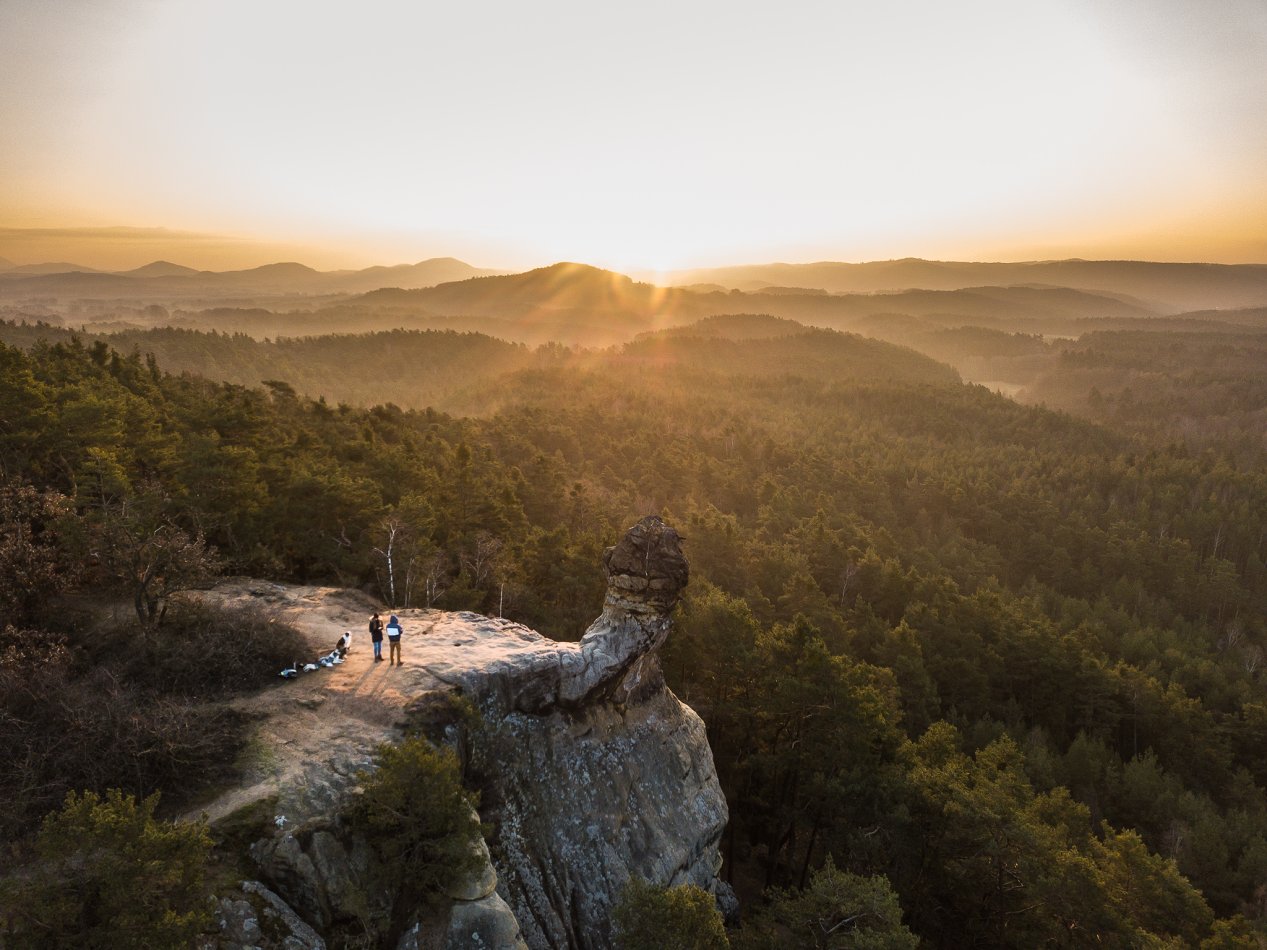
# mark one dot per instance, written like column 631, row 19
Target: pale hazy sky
column 652, row 134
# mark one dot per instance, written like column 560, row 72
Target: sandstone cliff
column 590, row 770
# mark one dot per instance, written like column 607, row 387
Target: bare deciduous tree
column 1251, row 658
column 390, row 554
column 481, row 560
column 1235, row 634
column 147, row 551
column 847, row 573
column 404, row 557
column 433, row 570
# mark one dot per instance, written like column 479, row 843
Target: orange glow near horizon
column 679, row 135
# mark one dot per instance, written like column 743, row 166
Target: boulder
column 486, row 924
column 238, row 925
column 295, row 933
column 261, row 921
column 286, row 865
column 342, row 870
column 479, row 884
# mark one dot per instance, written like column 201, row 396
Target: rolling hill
column 567, row 297
column 1167, row 286
column 576, row 290
column 160, row 269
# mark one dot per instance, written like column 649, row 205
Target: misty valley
column 975, row 621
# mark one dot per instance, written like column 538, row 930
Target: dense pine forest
column 1005, row 659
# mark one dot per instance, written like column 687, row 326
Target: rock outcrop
column 591, row 771
column 261, row 919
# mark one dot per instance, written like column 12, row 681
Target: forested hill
column 560, row 288
column 809, row 353
column 411, row 368
column 577, row 296
column 450, row 370
column 1008, row 660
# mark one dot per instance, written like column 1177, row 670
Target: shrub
column 649, row 917
column 203, row 651
column 133, row 716
column 26, row 648
column 61, row 732
column 38, row 551
column 838, row 910
column 150, row 555
column 106, row 874
column 420, row 823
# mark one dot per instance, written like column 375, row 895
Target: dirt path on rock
column 332, row 715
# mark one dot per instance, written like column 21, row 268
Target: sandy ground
column 339, row 712
column 335, row 717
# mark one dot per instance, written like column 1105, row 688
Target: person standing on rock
column 376, row 636
column 393, row 641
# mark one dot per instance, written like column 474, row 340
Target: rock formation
column 593, row 771
column 590, row 770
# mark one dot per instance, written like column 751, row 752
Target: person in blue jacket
column 393, row 641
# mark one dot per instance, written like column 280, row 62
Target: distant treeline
column 1205, row 390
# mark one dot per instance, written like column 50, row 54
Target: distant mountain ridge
column 166, row 279
column 51, row 267
column 1173, row 287
column 428, row 273
column 579, row 295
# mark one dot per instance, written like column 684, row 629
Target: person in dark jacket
column 376, row 636
column 393, row 641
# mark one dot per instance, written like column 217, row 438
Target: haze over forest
column 989, row 534
column 938, row 332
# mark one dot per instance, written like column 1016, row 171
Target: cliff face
column 593, row 771
column 590, row 770
column 583, row 801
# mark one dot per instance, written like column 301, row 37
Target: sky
column 647, row 136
